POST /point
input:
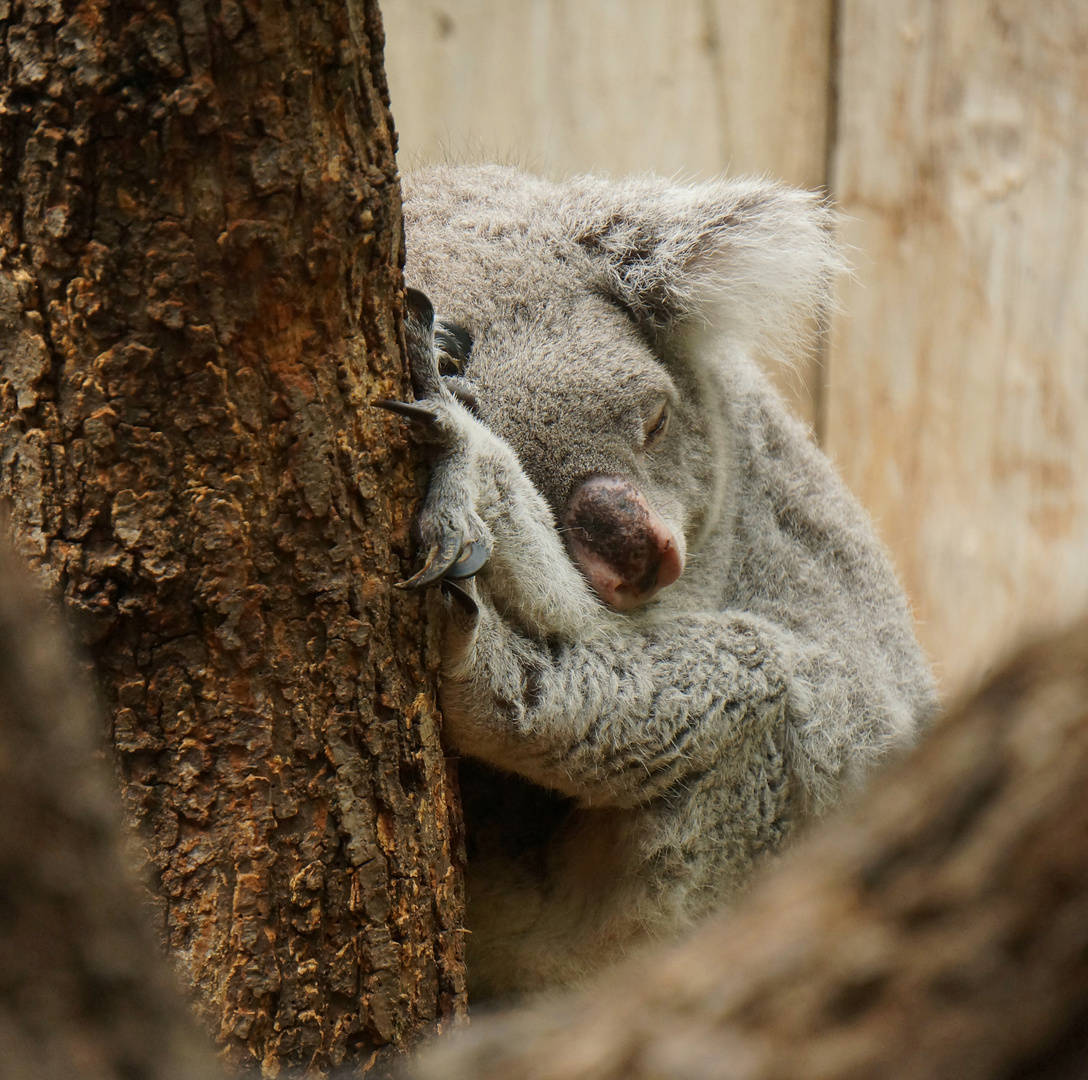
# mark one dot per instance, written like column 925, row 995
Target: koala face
column 614, row 438
column 602, row 429
column 578, row 309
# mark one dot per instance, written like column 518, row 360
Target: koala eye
column 454, row 345
column 656, row 426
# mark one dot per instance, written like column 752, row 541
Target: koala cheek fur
column 685, row 639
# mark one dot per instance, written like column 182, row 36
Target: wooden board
column 674, row 86
column 957, row 403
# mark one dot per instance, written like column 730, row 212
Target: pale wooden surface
column 688, row 88
column 957, row 404
column 958, row 397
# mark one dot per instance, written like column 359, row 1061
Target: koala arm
column 478, row 490
column 615, row 718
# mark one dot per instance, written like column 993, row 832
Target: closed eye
column 656, row 426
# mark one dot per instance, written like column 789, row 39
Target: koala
column 668, row 634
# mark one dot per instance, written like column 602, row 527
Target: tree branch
column 83, row 989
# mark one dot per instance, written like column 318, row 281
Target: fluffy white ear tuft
column 750, row 260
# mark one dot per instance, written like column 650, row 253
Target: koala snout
column 621, row 544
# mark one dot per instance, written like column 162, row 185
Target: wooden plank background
column 958, row 398
column 954, row 389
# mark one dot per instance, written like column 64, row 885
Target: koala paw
column 455, row 538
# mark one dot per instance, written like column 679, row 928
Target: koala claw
column 466, row 604
column 439, row 560
column 450, row 558
column 462, row 390
column 414, row 411
column 471, row 560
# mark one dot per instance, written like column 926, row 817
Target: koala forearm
column 616, row 720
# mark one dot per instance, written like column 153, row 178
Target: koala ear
column 746, row 259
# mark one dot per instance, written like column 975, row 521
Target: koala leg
column 611, row 878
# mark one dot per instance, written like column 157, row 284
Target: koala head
column 599, row 327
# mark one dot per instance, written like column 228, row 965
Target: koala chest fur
column 668, row 633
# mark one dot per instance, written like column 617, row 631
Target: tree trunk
column 936, row 930
column 200, row 242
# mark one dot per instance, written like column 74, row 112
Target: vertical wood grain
column 686, row 88
column 957, row 403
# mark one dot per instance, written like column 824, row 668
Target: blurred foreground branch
column 84, row 991
column 939, row 928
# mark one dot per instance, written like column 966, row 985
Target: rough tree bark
column 937, row 930
column 200, row 244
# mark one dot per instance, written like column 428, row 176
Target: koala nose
column 625, row 550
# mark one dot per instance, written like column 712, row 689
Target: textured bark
column 938, row 929
column 199, row 289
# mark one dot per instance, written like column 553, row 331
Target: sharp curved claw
column 465, row 602
column 473, row 557
column 420, row 414
column 439, row 559
column 419, row 339
column 450, row 560
column 462, row 390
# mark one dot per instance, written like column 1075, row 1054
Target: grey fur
column 693, row 733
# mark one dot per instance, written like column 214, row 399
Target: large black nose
column 623, row 547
